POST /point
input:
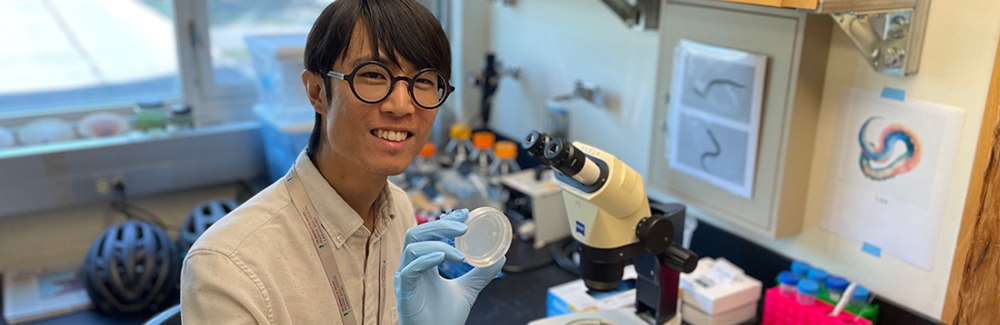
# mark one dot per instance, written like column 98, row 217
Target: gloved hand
column 423, row 297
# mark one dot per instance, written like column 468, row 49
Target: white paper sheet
column 893, row 196
column 715, row 107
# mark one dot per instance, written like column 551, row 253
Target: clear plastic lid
column 487, row 239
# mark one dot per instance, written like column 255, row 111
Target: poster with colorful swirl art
column 889, row 173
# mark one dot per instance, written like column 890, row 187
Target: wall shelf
column 888, row 33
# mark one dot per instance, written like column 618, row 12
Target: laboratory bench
column 518, row 298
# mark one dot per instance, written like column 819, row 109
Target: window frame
column 213, row 103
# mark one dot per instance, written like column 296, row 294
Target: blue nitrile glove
column 423, row 297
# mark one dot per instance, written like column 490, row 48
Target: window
column 59, row 54
column 231, row 21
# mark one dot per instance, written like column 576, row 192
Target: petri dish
column 487, row 239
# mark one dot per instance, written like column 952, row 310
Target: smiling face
column 381, row 138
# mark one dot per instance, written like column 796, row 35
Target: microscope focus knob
column 680, row 259
column 656, row 233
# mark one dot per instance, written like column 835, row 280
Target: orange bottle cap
column 505, row 149
column 483, row 140
column 430, row 149
column 460, row 131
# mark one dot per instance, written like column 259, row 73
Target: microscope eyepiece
column 562, row 156
column 569, row 160
column 535, row 144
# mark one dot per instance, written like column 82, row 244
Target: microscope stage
column 621, row 316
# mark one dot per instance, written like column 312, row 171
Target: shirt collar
column 339, row 219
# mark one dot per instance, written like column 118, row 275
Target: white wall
column 957, row 62
column 470, row 39
column 558, row 41
column 47, row 237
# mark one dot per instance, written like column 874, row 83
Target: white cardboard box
column 712, row 297
column 740, row 315
column 572, row 297
column 43, row 292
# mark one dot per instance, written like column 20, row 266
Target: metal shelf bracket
column 643, row 15
column 888, row 33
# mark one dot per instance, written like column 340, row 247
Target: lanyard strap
column 322, row 243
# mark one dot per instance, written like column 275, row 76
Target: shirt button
column 340, row 238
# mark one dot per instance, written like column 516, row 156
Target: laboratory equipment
column 788, row 282
column 459, row 146
column 557, row 116
column 488, row 79
column 202, row 216
column 422, row 171
column 573, row 296
column 801, row 268
column 610, row 216
column 835, row 286
column 505, row 163
column 859, row 299
column 781, row 310
column 132, row 267
column 482, row 154
column 534, row 198
column 807, row 292
column 718, row 292
column 150, row 115
column 45, row 130
column 819, row 276
column 102, row 124
column 487, row 239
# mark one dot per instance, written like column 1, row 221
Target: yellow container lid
column 460, row 131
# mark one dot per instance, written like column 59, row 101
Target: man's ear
column 315, row 90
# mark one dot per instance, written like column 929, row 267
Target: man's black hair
column 395, row 27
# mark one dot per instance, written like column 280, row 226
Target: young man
column 314, row 247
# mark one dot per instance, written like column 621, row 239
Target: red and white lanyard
column 337, row 282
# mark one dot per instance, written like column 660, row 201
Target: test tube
column 801, row 268
column 835, row 286
column 859, row 299
column 807, row 292
column 819, row 275
column 787, row 282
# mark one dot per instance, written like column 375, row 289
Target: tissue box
column 712, row 297
column 740, row 315
column 573, row 297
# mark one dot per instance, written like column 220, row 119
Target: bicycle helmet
column 204, row 215
column 132, row 267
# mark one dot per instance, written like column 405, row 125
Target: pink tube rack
column 781, row 310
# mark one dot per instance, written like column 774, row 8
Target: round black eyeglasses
column 372, row 82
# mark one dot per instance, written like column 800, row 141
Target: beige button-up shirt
column 257, row 265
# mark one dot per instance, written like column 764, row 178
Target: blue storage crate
column 283, row 141
column 278, row 63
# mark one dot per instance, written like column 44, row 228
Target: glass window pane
column 230, row 21
column 71, row 53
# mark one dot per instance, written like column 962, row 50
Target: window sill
column 56, row 175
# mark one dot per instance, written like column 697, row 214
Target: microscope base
column 622, row 316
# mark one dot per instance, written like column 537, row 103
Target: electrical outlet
column 102, row 186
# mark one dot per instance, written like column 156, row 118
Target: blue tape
column 893, row 93
column 871, row 249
